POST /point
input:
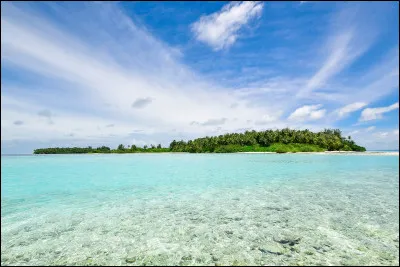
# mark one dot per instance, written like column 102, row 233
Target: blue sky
column 104, row 73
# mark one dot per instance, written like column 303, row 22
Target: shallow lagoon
column 200, row 209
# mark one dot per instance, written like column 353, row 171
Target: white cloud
column 165, row 93
column 350, row 108
column 220, row 29
column 37, row 128
column 379, row 81
column 337, row 60
column 369, row 114
column 307, row 112
column 370, row 129
column 140, row 143
column 385, row 139
column 350, row 37
column 87, row 78
column 381, row 134
column 354, row 132
column 361, row 131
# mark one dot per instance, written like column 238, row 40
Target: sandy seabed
column 313, row 222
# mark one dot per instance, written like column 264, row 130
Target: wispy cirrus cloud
column 209, row 122
column 348, row 39
column 166, row 94
column 220, row 29
column 214, row 122
column 351, row 36
column 88, row 72
column 343, row 111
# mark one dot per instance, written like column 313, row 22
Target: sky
column 109, row 73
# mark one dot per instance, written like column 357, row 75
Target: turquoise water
column 200, row 209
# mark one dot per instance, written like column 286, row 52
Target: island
column 278, row 141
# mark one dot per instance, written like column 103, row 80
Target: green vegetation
column 284, row 140
column 283, row 148
column 89, row 150
column 279, row 141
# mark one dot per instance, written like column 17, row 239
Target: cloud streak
column 350, row 38
column 111, row 74
column 370, row 114
column 83, row 67
column 350, row 108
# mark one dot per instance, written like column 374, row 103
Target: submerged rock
column 272, row 248
column 130, row 260
column 187, row 258
column 295, row 249
column 387, row 256
column 287, row 238
column 322, row 246
column 238, row 263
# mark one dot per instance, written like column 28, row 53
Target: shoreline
column 366, row 153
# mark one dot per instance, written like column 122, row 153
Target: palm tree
column 121, row 147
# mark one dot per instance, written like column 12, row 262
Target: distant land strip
column 279, row 141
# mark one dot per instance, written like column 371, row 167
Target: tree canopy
column 328, row 139
column 284, row 140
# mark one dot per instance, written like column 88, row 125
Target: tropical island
column 279, row 141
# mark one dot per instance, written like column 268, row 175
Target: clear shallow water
column 200, row 209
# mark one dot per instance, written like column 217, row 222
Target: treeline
column 103, row 149
column 284, row 140
column 328, row 139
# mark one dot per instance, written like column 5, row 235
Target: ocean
column 200, row 209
